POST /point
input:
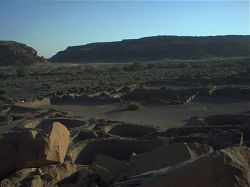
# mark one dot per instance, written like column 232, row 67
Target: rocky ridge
column 14, row 53
column 157, row 48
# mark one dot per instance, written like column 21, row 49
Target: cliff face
column 12, row 52
column 157, row 48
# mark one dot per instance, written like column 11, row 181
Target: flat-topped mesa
column 12, row 52
column 157, row 48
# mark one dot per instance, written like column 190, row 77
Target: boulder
column 118, row 148
column 226, row 119
column 194, row 122
column 29, row 148
column 34, row 181
column 5, row 119
column 220, row 139
column 131, row 130
column 83, row 178
column 16, row 178
column 109, row 169
column 57, row 142
column 207, row 91
column 219, row 136
column 50, row 175
column 68, row 122
column 4, row 109
column 67, row 174
column 228, row 91
column 193, row 138
column 228, row 167
column 190, row 130
column 85, row 134
column 167, row 155
column 246, row 131
column 53, row 174
column 105, row 176
column 74, row 150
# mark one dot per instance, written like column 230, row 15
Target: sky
column 51, row 26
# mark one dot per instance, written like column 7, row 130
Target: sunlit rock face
column 33, row 148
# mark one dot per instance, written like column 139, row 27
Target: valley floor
column 161, row 116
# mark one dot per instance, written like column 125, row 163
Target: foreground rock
column 33, row 148
column 39, row 150
column 227, row 167
column 166, row 156
column 109, row 169
column 161, row 96
column 68, row 122
column 226, row 119
column 118, row 148
column 218, row 131
column 131, row 130
column 50, row 175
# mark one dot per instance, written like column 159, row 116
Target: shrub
column 163, row 88
column 89, row 68
column 183, row 65
column 116, row 68
column 151, row 66
column 134, row 67
column 134, row 107
column 3, row 75
column 2, row 92
column 21, row 72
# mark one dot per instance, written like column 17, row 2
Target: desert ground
column 161, row 116
column 105, row 84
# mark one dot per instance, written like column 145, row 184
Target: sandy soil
column 163, row 116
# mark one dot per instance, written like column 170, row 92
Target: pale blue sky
column 51, row 26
